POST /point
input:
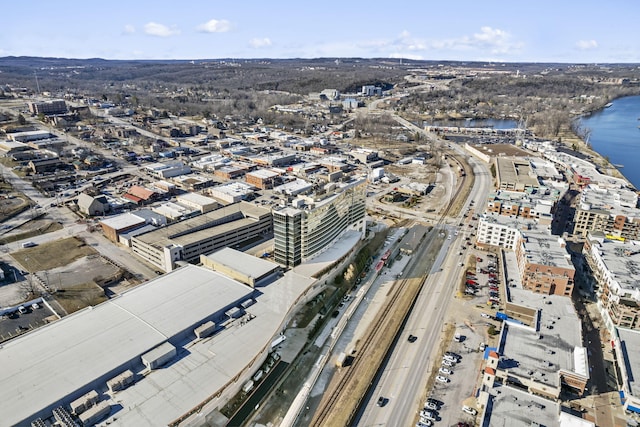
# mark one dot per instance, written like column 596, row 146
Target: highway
column 404, row 378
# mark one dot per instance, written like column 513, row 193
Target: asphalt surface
column 404, row 378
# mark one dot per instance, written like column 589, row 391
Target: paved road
column 404, row 378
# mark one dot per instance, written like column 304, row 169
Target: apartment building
column 615, row 266
column 48, row 108
column 543, row 262
column 534, row 204
column 497, row 230
column 309, row 225
column 612, row 211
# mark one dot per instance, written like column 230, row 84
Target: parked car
column 445, row 371
column 485, row 315
column 430, row 415
column 442, row 379
column 449, row 358
column 430, row 405
column 469, row 410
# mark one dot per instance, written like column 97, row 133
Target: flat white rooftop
column 630, row 346
column 511, row 407
column 557, row 345
column 44, row 367
column 121, row 221
column 204, row 368
column 244, row 263
column 196, row 198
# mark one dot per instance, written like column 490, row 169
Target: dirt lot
column 79, row 296
column 30, row 229
column 501, row 150
column 12, row 205
column 74, row 272
column 51, row 255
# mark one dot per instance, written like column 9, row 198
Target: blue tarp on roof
column 633, row 409
column 485, row 356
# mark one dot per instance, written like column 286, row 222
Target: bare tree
column 28, row 287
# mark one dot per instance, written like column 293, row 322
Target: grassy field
column 53, row 254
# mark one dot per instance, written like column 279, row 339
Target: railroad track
column 341, row 392
column 369, row 342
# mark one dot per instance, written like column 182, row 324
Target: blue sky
column 482, row 30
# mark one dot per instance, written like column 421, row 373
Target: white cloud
column 129, row 29
column 488, row 41
column 586, row 44
column 159, row 30
column 257, row 43
column 215, row 26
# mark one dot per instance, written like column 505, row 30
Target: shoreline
column 569, row 138
column 605, row 167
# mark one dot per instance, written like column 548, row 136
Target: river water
column 615, row 133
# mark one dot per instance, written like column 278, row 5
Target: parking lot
column 456, row 378
column 452, row 396
column 20, row 322
column 483, row 284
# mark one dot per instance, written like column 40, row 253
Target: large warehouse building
column 104, row 359
column 234, row 225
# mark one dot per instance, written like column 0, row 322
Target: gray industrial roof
column 205, row 367
column 184, row 231
column 559, row 331
column 516, row 171
column 124, row 220
column 246, row 264
column 630, row 341
column 510, row 407
column 45, row 366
